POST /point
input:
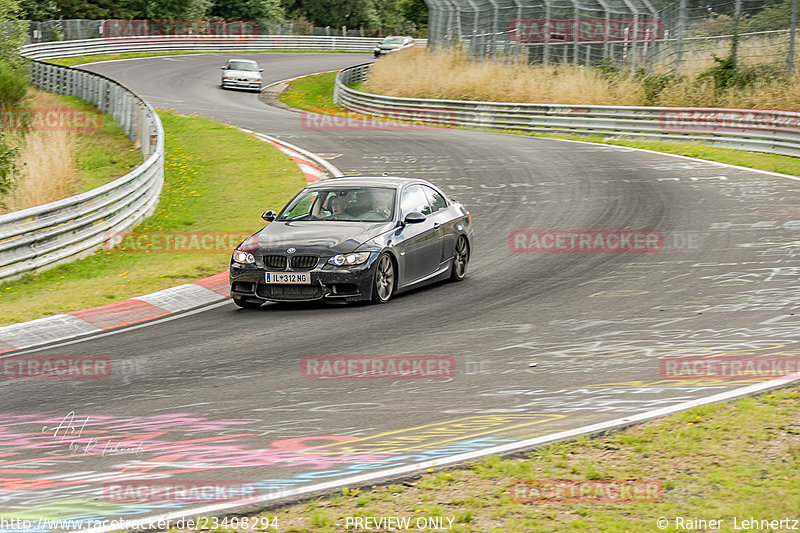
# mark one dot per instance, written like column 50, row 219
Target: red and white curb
column 314, row 167
column 150, row 306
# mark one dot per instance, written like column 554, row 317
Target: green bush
column 14, row 81
column 7, row 166
column 654, row 84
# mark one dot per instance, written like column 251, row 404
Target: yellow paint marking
column 434, row 435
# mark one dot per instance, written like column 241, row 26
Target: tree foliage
column 13, row 78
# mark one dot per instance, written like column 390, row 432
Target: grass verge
column 217, row 179
column 716, row 462
column 80, row 60
column 103, row 155
column 315, row 94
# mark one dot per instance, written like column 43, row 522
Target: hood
column 319, row 238
column 242, row 73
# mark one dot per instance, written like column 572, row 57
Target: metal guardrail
column 241, row 43
column 775, row 132
column 44, row 236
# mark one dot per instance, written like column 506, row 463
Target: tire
column 383, row 282
column 460, row 259
column 244, row 304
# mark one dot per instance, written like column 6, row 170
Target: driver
column 337, row 207
column 380, row 205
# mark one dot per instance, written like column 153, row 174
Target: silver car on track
column 241, row 74
column 392, row 43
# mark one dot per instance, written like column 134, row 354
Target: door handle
column 436, row 225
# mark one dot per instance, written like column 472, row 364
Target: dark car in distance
column 355, row 238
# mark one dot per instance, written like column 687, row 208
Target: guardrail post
column 546, row 45
column 792, row 31
column 737, row 19
column 679, row 43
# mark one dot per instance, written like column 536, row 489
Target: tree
column 164, row 9
column 774, row 17
column 13, row 78
column 415, row 11
column 13, row 67
column 261, row 10
column 39, row 9
column 338, row 13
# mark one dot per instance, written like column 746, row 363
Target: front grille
column 289, row 292
column 304, row 261
column 275, row 261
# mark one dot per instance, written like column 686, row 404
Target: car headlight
column 351, row 259
column 245, row 258
column 377, row 49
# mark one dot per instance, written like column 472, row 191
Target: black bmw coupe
column 357, row 238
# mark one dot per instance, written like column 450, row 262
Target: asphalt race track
column 542, row 342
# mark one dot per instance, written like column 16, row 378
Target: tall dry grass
column 451, row 74
column 46, row 165
column 698, row 54
column 46, row 169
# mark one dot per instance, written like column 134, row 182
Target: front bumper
column 237, row 84
column 327, row 282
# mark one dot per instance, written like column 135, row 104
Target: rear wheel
column 244, row 304
column 460, row 259
column 383, row 281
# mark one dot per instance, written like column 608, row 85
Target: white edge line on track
column 513, row 447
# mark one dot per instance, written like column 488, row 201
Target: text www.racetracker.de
column 45, row 524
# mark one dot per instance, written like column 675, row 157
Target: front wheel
column 460, row 259
column 383, row 281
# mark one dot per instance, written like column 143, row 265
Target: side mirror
column 261, row 70
column 222, row 68
column 414, row 217
column 270, row 215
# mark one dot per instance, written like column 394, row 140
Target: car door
column 443, row 223
column 420, row 244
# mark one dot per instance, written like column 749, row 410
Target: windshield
column 392, row 40
column 243, row 65
column 362, row 204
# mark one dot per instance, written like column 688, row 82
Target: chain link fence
column 79, row 29
column 624, row 34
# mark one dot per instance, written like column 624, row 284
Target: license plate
column 289, row 278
